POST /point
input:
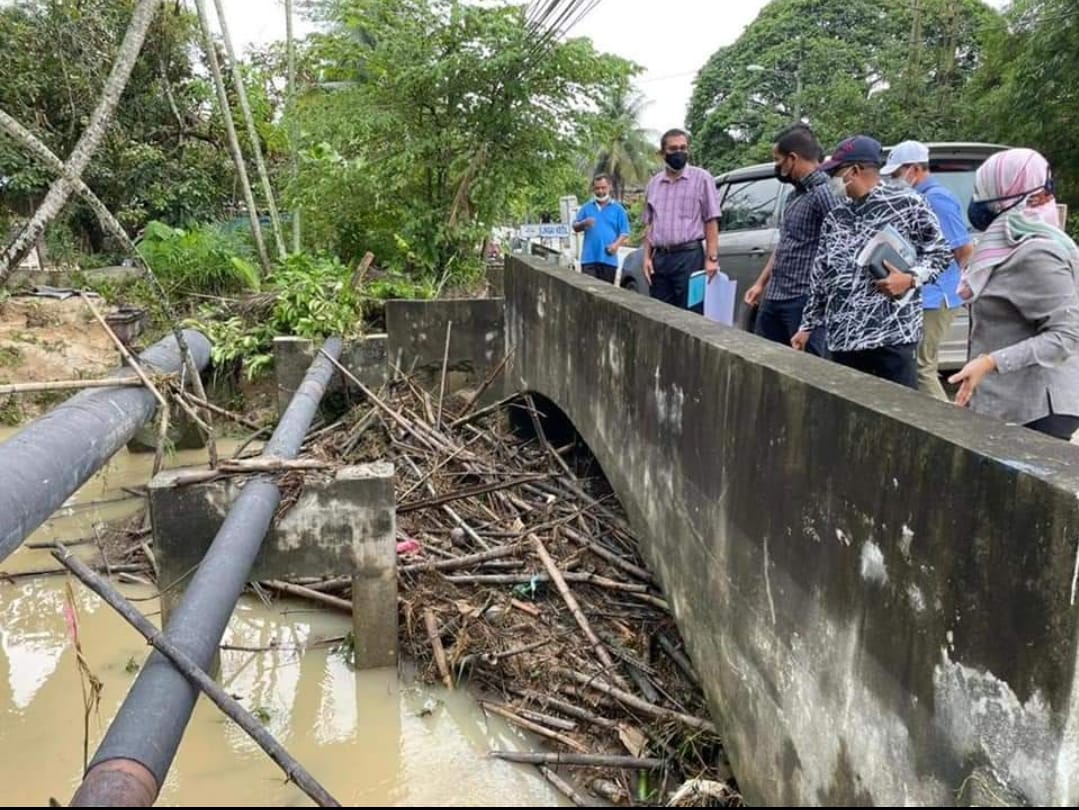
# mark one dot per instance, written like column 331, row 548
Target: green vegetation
column 896, row 70
column 445, row 115
column 307, row 296
column 419, row 125
column 204, row 259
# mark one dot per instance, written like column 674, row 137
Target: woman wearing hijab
column 1021, row 286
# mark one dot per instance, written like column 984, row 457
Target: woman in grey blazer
column 1022, row 285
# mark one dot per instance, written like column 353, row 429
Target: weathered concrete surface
column 878, row 589
column 365, row 358
column 341, row 525
column 417, row 341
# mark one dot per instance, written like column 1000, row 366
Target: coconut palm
column 624, row 151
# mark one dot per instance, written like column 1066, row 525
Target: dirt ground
column 43, row 339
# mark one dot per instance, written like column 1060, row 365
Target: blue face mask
column 981, row 214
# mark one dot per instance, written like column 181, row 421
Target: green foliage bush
column 206, row 259
column 311, row 296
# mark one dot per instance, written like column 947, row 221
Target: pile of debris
column 520, row 575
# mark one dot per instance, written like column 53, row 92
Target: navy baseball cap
column 857, row 149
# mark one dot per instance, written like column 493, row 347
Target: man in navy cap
column 872, row 325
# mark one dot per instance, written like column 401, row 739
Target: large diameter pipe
column 43, row 464
column 131, row 764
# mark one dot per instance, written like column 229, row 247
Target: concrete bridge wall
column 878, row 589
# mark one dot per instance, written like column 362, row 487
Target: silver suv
column 752, row 202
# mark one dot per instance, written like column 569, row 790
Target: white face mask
column 839, row 187
column 899, row 182
column 604, row 198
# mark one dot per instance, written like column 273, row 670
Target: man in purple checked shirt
column 681, row 209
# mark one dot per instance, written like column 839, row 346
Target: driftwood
column 307, row 593
column 260, row 464
column 582, row 760
column 518, row 573
column 433, row 636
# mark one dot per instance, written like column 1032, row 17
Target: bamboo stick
column 460, row 562
column 592, row 682
column 163, row 405
column 535, row 728
column 190, row 670
column 581, row 760
column 442, row 385
column 564, row 787
column 575, row 608
column 306, row 593
column 69, row 385
column 436, row 646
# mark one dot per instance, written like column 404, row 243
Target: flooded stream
column 370, row 738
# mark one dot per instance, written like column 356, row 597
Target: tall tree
column 252, row 132
column 230, row 129
column 895, row 70
column 62, row 189
column 625, row 151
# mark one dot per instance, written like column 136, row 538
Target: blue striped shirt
column 799, row 235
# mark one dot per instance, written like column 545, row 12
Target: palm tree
column 624, row 151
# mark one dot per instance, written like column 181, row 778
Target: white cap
column 903, row 155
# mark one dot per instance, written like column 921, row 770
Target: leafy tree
column 161, row 156
column 443, row 111
column 1027, row 93
column 895, row 70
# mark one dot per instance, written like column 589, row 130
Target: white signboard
column 546, row 230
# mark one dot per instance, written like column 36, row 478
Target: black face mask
column 676, row 160
column 783, row 178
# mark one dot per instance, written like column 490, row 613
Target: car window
column 749, row 205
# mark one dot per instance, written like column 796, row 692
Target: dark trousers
column 671, row 272
column 779, row 320
column 1057, row 425
column 604, row 272
column 895, row 363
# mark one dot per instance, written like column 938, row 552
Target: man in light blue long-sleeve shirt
column 606, row 227
column 908, row 165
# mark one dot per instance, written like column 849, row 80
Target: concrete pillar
column 364, row 357
column 291, row 358
column 343, row 524
column 417, row 342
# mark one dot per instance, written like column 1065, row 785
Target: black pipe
column 43, row 464
column 146, row 733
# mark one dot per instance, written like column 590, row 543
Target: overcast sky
column 671, row 42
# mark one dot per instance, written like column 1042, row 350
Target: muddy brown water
column 371, row 738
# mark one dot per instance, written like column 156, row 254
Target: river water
column 371, row 738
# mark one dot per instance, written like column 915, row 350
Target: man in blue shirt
column 606, row 228
column 908, row 165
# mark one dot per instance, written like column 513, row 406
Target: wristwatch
column 917, row 281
